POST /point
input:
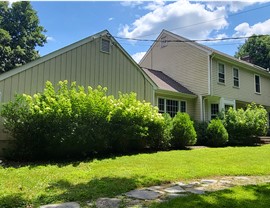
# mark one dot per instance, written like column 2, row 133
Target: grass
column 251, row 196
column 37, row 184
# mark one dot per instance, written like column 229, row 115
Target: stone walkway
column 141, row 198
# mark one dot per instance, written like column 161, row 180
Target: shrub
column 200, row 128
column 244, row 126
column 167, row 131
column 59, row 123
column 217, row 135
column 134, row 125
column 183, row 132
column 70, row 122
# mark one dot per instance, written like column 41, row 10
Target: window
column 161, row 105
column 183, row 106
column 257, row 84
column 235, row 77
column 171, row 106
column 221, row 73
column 214, row 110
column 163, row 42
column 227, row 107
column 105, row 45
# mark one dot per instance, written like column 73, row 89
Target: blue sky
column 68, row 22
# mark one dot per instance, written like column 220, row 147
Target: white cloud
column 244, row 29
column 49, row 38
column 154, row 5
column 176, row 15
column 111, row 18
column 234, row 6
column 138, row 56
column 131, row 3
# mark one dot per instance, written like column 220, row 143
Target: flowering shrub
column 58, row 123
column 134, row 125
column 244, row 126
column 70, row 122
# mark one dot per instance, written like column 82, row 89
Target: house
column 95, row 60
column 210, row 80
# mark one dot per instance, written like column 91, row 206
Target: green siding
column 86, row 65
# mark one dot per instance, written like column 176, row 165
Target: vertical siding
column 246, row 91
column 86, row 65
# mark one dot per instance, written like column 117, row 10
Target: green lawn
column 83, row 181
column 250, row 196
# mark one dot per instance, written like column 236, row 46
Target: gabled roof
column 104, row 33
column 164, row 82
column 211, row 52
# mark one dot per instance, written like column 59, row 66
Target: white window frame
column 219, row 63
column 165, row 104
column 236, row 77
column 255, row 84
column 214, row 115
column 163, row 42
column 101, row 44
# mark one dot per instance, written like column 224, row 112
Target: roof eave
column 179, row 94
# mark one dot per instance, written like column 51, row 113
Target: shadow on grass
column 64, row 191
column 251, row 196
column 14, row 200
column 66, row 162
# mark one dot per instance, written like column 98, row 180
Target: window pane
column 183, row 107
column 214, row 110
column 221, row 73
column 172, row 107
column 257, row 84
column 235, row 78
column 161, row 105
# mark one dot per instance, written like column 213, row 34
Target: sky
column 68, row 22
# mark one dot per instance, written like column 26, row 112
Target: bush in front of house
column 217, row 135
column 183, row 132
column 244, row 126
column 71, row 122
column 200, row 128
column 134, row 125
column 58, row 123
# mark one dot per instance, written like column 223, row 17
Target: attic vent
column 163, row 42
column 105, row 45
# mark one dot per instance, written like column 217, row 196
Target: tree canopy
column 20, row 33
column 257, row 48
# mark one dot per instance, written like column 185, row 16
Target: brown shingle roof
column 165, row 82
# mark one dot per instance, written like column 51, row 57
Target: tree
column 20, row 33
column 257, row 48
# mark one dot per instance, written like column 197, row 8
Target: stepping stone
column 143, row 194
column 225, row 181
column 64, row 205
column 175, row 189
column 172, row 196
column 108, row 203
column 154, row 188
column 180, row 184
column 198, row 190
column 190, row 185
column 241, row 178
column 205, row 181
